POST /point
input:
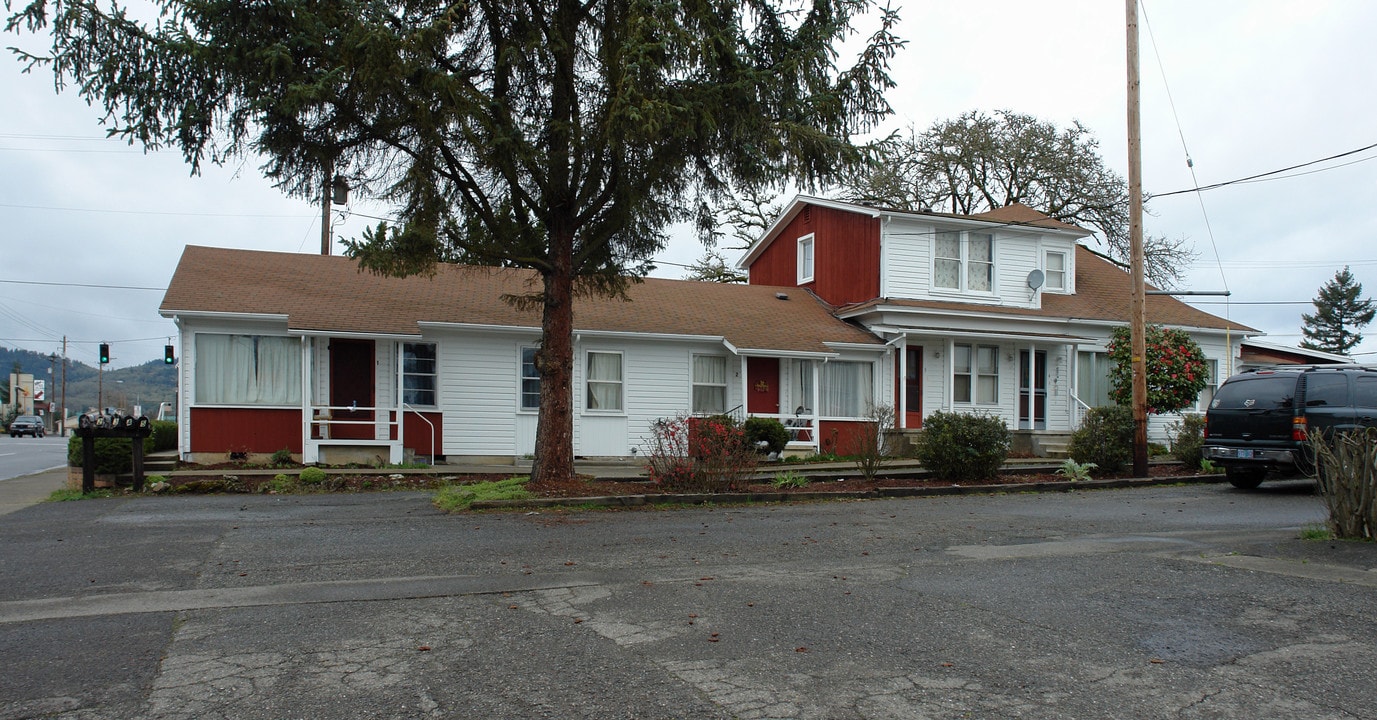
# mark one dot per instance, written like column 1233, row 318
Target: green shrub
column 281, row 484
column 790, row 479
column 766, row 430
column 453, row 498
column 961, row 446
column 281, row 457
column 1187, row 437
column 164, row 435
column 1105, row 438
column 114, row 456
column 312, row 476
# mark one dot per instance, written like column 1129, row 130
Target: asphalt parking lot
column 1190, row 601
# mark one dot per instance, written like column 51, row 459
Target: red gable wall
column 846, row 255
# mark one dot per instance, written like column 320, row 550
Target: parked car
column 1261, row 421
column 27, row 425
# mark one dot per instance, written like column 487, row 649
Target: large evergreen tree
column 979, row 162
column 1340, row 312
column 559, row 135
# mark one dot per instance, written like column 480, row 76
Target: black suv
column 1259, row 421
column 27, row 425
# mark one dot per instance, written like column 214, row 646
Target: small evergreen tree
column 1339, row 314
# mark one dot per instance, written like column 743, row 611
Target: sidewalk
column 25, row 490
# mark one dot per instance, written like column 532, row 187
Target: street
column 1194, row 601
column 24, row 455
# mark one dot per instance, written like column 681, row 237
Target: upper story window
column 1056, row 271
column 805, row 258
column 418, row 374
column 604, row 381
column 530, row 380
column 964, row 261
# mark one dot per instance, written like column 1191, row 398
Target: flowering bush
column 1176, row 369
column 695, row 454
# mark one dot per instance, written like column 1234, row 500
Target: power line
column 146, row 212
column 1266, row 174
column 83, row 285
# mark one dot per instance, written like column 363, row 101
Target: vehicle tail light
column 1205, row 431
column 1298, row 428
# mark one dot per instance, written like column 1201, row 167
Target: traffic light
column 168, row 356
column 104, row 353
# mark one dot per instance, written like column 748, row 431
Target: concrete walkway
column 21, row 492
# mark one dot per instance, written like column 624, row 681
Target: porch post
column 398, row 381
column 309, row 451
column 901, row 385
column 745, row 387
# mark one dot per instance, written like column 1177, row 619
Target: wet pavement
column 1186, row 601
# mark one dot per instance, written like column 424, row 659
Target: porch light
column 339, row 190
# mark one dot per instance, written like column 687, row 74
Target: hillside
column 147, row 384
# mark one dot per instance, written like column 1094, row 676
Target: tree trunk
column 554, row 450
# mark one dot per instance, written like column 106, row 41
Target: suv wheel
column 1245, row 478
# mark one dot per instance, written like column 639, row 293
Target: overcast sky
column 1257, row 86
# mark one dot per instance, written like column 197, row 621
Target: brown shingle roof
column 1104, row 292
column 1020, row 214
column 330, row 294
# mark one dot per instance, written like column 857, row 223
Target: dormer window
column 805, row 258
column 964, row 261
column 1056, row 271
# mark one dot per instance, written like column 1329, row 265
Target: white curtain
column 248, row 370
column 801, row 387
column 980, row 265
column 709, row 384
column 846, row 389
column 947, row 267
column 604, row 381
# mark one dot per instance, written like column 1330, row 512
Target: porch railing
column 324, row 422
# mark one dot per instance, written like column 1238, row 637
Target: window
column 418, row 374
column 964, row 261
column 1056, row 271
column 805, row 258
column 248, row 370
column 1211, row 384
column 847, row 389
column 604, row 381
column 1092, row 378
column 975, row 374
column 1326, row 390
column 709, row 384
column 530, row 380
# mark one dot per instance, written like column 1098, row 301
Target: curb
column 814, row 495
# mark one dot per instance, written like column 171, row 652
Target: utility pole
column 63, row 399
column 1138, row 309
column 325, row 207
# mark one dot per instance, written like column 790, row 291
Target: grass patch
column 65, row 495
column 454, row 498
column 1316, row 531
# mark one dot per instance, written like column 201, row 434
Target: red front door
column 913, row 387
column 352, row 371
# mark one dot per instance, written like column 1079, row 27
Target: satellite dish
column 1035, row 279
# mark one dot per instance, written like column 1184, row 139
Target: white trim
column 810, row 242
column 1065, row 272
column 621, row 382
column 521, row 380
column 209, row 315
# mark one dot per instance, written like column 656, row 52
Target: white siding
column 478, row 393
column 906, row 263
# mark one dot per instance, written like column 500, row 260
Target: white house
column 1002, row 312
column 848, row 306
